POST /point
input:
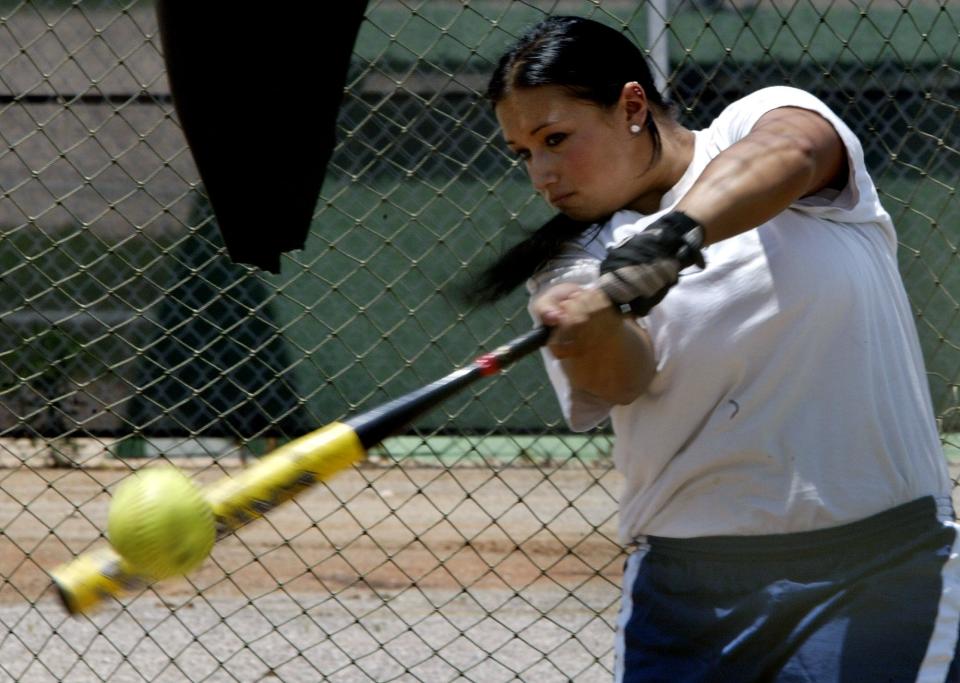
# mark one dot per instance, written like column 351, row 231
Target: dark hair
column 593, row 61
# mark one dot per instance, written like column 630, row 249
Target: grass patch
column 540, row 450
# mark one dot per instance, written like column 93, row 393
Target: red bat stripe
column 488, row 363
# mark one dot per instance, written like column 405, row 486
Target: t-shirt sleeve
column 857, row 202
column 581, row 411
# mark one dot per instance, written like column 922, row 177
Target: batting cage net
column 478, row 545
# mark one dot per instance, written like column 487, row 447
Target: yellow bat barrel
column 282, row 474
column 93, row 577
column 274, row 479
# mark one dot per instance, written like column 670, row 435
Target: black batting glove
column 639, row 273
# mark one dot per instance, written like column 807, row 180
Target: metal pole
column 658, row 42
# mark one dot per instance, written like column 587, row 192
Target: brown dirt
column 373, row 528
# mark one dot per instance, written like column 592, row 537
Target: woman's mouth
column 560, row 199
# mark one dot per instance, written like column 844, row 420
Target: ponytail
column 521, row 261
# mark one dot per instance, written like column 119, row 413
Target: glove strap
column 687, row 229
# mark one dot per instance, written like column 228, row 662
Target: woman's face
column 581, row 157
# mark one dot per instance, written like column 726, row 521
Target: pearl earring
column 635, row 128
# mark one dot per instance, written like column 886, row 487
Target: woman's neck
column 676, row 153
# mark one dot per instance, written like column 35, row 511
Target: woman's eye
column 555, row 139
column 522, row 155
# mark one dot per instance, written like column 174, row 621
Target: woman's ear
column 633, row 99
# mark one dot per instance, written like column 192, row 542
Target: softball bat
column 95, row 576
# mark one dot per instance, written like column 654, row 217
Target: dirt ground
column 390, row 524
column 384, row 573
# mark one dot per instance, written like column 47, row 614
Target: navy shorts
column 872, row 601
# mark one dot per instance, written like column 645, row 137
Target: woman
column 784, row 485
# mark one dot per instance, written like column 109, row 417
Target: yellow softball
column 160, row 522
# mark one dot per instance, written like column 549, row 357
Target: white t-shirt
column 790, row 391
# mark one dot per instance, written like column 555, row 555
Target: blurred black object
column 257, row 90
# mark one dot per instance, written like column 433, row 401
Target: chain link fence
column 480, row 545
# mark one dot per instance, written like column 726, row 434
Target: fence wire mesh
column 481, row 544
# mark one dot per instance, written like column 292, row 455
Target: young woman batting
column 785, row 491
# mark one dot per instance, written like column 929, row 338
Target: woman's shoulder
column 739, row 117
column 772, row 97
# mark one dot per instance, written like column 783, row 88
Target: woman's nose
column 542, row 174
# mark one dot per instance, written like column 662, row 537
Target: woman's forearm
column 790, row 153
column 602, row 352
column 618, row 370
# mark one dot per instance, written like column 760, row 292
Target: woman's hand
column 637, row 274
column 581, row 317
column 602, row 352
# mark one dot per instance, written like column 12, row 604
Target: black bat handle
column 374, row 425
column 521, row 346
